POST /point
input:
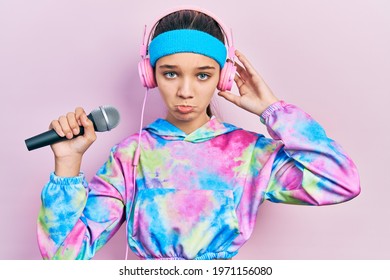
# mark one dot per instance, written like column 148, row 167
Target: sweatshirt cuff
column 58, row 180
column 272, row 108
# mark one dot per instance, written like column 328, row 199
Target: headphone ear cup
column 226, row 77
column 146, row 75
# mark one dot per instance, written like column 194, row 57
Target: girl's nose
column 185, row 89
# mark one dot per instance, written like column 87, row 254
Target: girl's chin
column 182, row 117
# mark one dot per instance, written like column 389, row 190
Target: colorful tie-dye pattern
column 197, row 195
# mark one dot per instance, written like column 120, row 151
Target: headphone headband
column 225, row 30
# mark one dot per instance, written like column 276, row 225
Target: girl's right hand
column 68, row 154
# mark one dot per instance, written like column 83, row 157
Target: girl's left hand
column 255, row 96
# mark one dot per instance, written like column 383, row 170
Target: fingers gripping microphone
column 103, row 118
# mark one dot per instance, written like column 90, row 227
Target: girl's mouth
column 185, row 109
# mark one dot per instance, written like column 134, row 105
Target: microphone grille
column 105, row 118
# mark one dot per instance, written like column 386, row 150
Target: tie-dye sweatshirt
column 196, row 196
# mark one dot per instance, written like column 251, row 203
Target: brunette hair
column 189, row 19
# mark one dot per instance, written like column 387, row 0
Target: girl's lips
column 185, row 109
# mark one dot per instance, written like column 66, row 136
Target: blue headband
column 187, row 40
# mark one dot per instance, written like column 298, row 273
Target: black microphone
column 103, row 118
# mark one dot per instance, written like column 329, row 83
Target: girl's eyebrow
column 168, row 66
column 206, row 67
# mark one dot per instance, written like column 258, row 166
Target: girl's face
column 187, row 82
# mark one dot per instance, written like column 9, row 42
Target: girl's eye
column 203, row 76
column 170, row 75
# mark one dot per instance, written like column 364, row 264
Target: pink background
column 331, row 58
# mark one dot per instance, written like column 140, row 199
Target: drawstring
column 135, row 164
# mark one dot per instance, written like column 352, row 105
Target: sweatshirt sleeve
column 306, row 167
column 76, row 218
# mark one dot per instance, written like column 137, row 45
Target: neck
column 188, row 126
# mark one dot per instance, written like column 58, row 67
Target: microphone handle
column 47, row 138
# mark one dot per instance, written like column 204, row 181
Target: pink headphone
column 228, row 71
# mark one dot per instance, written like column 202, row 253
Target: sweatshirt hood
column 209, row 130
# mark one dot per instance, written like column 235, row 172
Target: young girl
column 189, row 186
